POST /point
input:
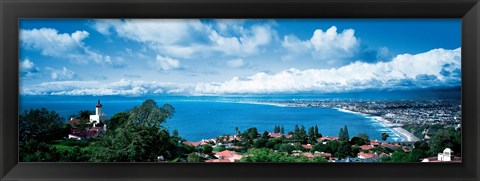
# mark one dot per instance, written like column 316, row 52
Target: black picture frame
column 12, row 10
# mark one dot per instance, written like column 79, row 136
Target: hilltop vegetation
column 137, row 135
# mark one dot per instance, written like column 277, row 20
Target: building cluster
column 368, row 152
column 95, row 127
column 425, row 112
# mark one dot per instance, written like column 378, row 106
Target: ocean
column 204, row 117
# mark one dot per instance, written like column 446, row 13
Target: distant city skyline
column 217, row 57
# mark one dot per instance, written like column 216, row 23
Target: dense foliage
column 137, row 135
column 267, row 155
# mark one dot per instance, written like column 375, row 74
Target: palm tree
column 235, row 137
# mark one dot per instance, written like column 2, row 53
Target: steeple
column 98, row 108
column 98, row 104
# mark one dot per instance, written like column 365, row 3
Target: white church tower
column 99, row 117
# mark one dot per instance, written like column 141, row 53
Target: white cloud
column 61, row 45
column 192, row 37
column 121, row 87
column 248, row 43
column 166, row 63
column 61, row 74
column 26, row 65
column 323, row 45
column 406, row 68
column 27, row 69
column 435, row 68
column 236, row 63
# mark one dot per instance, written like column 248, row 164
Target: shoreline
column 396, row 128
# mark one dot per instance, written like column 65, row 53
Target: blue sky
column 216, row 57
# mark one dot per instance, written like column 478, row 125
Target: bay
column 204, row 117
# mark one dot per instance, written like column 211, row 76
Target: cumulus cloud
column 248, row 43
column 166, row 63
column 186, row 38
column 121, row 87
column 405, row 71
column 50, row 42
column 433, row 69
column 27, row 68
column 61, row 74
column 326, row 45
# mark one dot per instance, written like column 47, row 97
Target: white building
column 446, row 156
column 99, row 117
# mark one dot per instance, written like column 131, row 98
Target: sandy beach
column 396, row 128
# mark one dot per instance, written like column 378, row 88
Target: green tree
column 34, row 151
column 312, row 138
column 358, row 141
column 343, row 134
column 41, row 125
column 260, row 142
column 207, row 149
column 272, row 142
column 276, row 129
column 175, row 133
column 384, row 136
column 249, row 136
column 300, row 134
column 141, row 139
column 266, row 155
column 117, row 120
column 265, row 135
column 282, row 130
column 150, row 114
column 364, row 136
column 319, row 159
column 194, row 157
column 74, row 155
column 85, row 114
column 286, row 148
column 344, row 149
column 236, row 134
column 317, row 134
column 400, row 156
column 447, row 138
column 416, row 155
column 296, row 130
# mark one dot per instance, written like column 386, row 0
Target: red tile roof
column 85, row 134
column 307, row 146
column 328, row 138
column 225, row 154
column 278, row 135
column 231, row 138
column 370, row 155
column 96, row 128
column 308, row 155
column 75, row 121
column 365, row 147
column 194, row 144
column 390, row 145
column 326, row 155
column 374, row 142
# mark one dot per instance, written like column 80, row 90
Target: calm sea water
column 206, row 117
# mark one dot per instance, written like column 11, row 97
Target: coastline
column 396, row 128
